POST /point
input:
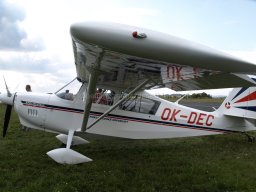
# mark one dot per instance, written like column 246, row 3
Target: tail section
column 241, row 102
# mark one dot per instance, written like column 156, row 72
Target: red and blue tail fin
column 241, row 102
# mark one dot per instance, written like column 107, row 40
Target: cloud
column 32, row 43
column 12, row 35
column 35, row 62
column 17, row 81
column 45, row 72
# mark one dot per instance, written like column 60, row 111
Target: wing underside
column 121, row 71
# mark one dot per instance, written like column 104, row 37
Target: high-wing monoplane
column 115, row 66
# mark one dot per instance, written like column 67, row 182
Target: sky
column 35, row 42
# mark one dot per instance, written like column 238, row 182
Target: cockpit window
column 140, row 104
column 66, row 95
column 69, row 91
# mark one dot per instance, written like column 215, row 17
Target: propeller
column 8, row 91
column 8, row 99
column 7, row 118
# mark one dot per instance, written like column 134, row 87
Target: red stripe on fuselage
column 135, row 120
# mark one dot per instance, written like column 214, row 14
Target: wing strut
column 94, row 73
column 119, row 102
column 88, row 103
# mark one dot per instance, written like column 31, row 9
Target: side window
column 104, row 97
column 130, row 104
column 140, row 105
column 148, row 106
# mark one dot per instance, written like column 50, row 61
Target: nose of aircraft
column 6, row 98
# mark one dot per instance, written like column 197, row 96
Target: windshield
column 69, row 91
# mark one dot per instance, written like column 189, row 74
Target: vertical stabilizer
column 241, row 102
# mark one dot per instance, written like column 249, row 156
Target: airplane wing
column 120, row 57
column 124, row 55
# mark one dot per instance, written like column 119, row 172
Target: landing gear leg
column 70, row 136
column 69, row 142
column 250, row 138
column 75, row 141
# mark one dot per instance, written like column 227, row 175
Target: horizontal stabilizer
column 67, row 156
column 75, row 140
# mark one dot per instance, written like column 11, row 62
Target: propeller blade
column 7, row 89
column 7, row 117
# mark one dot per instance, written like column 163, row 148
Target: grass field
column 200, row 164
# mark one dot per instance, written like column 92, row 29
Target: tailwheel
column 250, row 138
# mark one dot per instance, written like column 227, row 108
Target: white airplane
column 129, row 60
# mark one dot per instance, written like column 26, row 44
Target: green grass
column 200, row 164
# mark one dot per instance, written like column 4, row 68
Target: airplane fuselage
column 50, row 113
